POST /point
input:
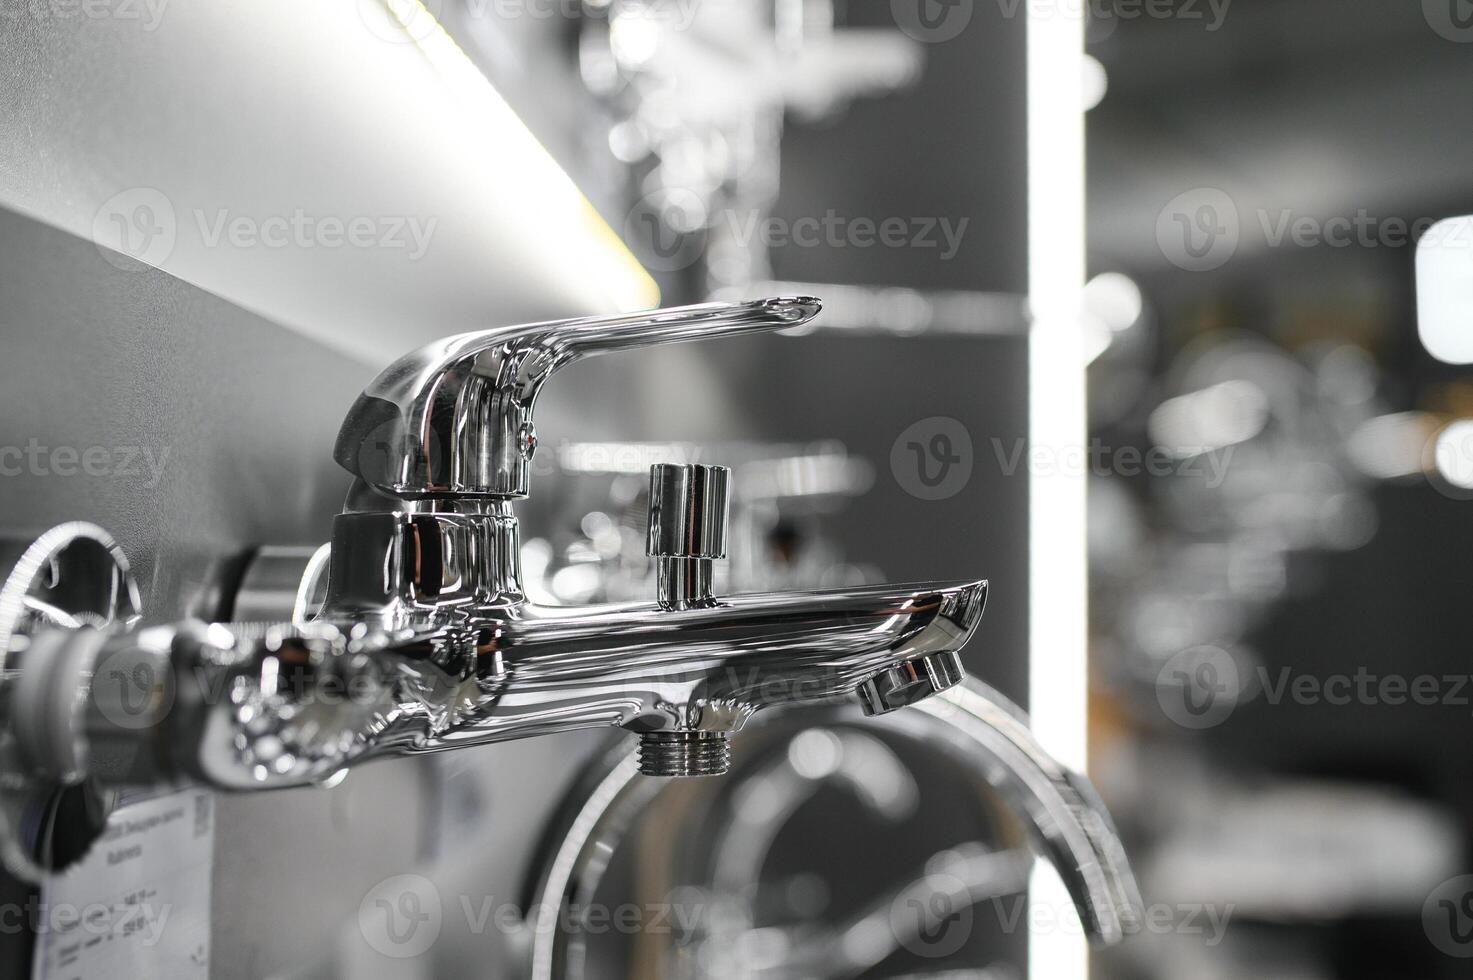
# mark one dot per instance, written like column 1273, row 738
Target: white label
column 138, row 905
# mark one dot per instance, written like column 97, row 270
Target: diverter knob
column 687, row 529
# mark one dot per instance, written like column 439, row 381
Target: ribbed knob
column 688, row 510
column 687, row 530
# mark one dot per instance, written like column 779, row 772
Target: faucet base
column 684, row 753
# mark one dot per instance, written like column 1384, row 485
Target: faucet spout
column 650, row 669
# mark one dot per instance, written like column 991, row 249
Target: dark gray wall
column 952, row 146
column 91, row 355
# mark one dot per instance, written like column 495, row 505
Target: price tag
column 139, row 904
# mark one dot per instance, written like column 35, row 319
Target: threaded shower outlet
column 684, row 753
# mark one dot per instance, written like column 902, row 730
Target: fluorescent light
column 1058, row 629
column 1445, row 290
column 1056, row 377
column 1057, row 949
column 554, row 203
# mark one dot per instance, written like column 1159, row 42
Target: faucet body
column 296, row 705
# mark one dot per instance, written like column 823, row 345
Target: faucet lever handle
column 687, row 530
column 454, row 419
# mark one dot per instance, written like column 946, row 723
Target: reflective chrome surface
column 688, row 507
column 910, row 682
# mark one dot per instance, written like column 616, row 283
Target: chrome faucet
column 426, row 640
column 428, row 556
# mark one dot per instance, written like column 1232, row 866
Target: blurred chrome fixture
column 426, row 640
column 981, row 736
column 697, row 95
column 73, row 577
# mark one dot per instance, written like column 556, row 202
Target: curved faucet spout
column 650, row 669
